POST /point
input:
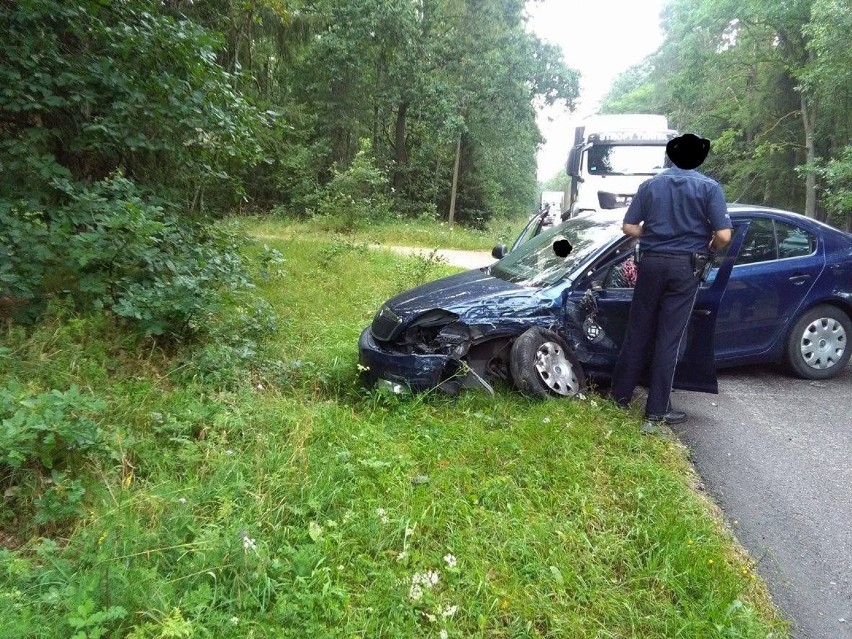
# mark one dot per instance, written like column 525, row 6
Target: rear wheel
column 818, row 346
column 542, row 364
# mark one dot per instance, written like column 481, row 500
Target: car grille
column 386, row 324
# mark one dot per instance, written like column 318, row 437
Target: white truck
column 612, row 155
column 550, row 207
column 551, row 199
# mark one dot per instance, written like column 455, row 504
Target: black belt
column 671, row 256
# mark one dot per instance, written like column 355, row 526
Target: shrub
column 53, row 431
column 110, row 247
column 357, row 195
column 46, row 428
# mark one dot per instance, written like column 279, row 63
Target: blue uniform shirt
column 679, row 210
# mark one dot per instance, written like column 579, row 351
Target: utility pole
column 455, row 184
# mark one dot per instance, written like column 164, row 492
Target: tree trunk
column 808, row 119
column 401, row 150
column 455, row 184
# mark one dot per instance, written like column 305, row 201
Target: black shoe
column 672, row 417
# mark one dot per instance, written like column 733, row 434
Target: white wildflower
column 248, row 542
column 182, row 500
column 401, row 556
column 420, row 582
column 383, row 517
column 449, row 611
column 451, row 560
column 444, row 634
column 235, row 621
column 409, row 532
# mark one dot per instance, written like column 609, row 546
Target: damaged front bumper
column 415, row 371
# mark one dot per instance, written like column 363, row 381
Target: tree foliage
column 770, row 83
column 125, row 126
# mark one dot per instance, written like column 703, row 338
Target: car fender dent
column 518, row 306
column 846, row 296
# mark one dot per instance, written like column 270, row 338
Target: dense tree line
column 771, row 84
column 124, row 126
column 223, row 102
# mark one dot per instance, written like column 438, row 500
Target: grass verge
column 416, row 233
column 290, row 502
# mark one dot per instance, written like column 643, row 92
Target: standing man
column 681, row 218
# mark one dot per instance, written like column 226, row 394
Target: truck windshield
column 616, row 159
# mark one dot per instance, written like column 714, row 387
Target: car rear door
column 776, row 268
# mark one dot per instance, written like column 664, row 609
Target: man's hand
column 633, row 230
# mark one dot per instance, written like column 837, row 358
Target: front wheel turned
column 541, row 364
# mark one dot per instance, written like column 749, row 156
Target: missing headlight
column 435, row 317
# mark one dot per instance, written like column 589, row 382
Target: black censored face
column 562, row 248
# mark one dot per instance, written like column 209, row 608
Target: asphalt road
column 775, row 453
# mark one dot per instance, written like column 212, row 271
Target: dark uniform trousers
column 665, row 292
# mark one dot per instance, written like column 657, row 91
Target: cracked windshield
column 549, row 257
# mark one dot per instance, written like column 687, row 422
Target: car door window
column 622, row 273
column 793, row 241
column 532, row 229
column 710, row 280
column 759, row 244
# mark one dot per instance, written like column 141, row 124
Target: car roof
column 740, row 210
column 615, row 217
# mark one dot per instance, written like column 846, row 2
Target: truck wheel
column 541, row 364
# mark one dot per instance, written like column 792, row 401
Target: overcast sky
column 600, row 38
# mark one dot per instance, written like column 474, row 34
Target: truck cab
column 611, row 156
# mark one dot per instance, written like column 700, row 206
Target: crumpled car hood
column 474, row 296
column 455, row 293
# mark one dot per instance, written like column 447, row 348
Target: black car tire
column 541, row 364
column 818, row 346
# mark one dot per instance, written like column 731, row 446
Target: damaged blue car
column 552, row 313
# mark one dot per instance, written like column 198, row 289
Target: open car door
column 596, row 310
column 696, row 367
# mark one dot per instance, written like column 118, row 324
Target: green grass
column 291, row 502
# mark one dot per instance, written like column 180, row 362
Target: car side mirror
column 589, row 302
column 499, row 252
